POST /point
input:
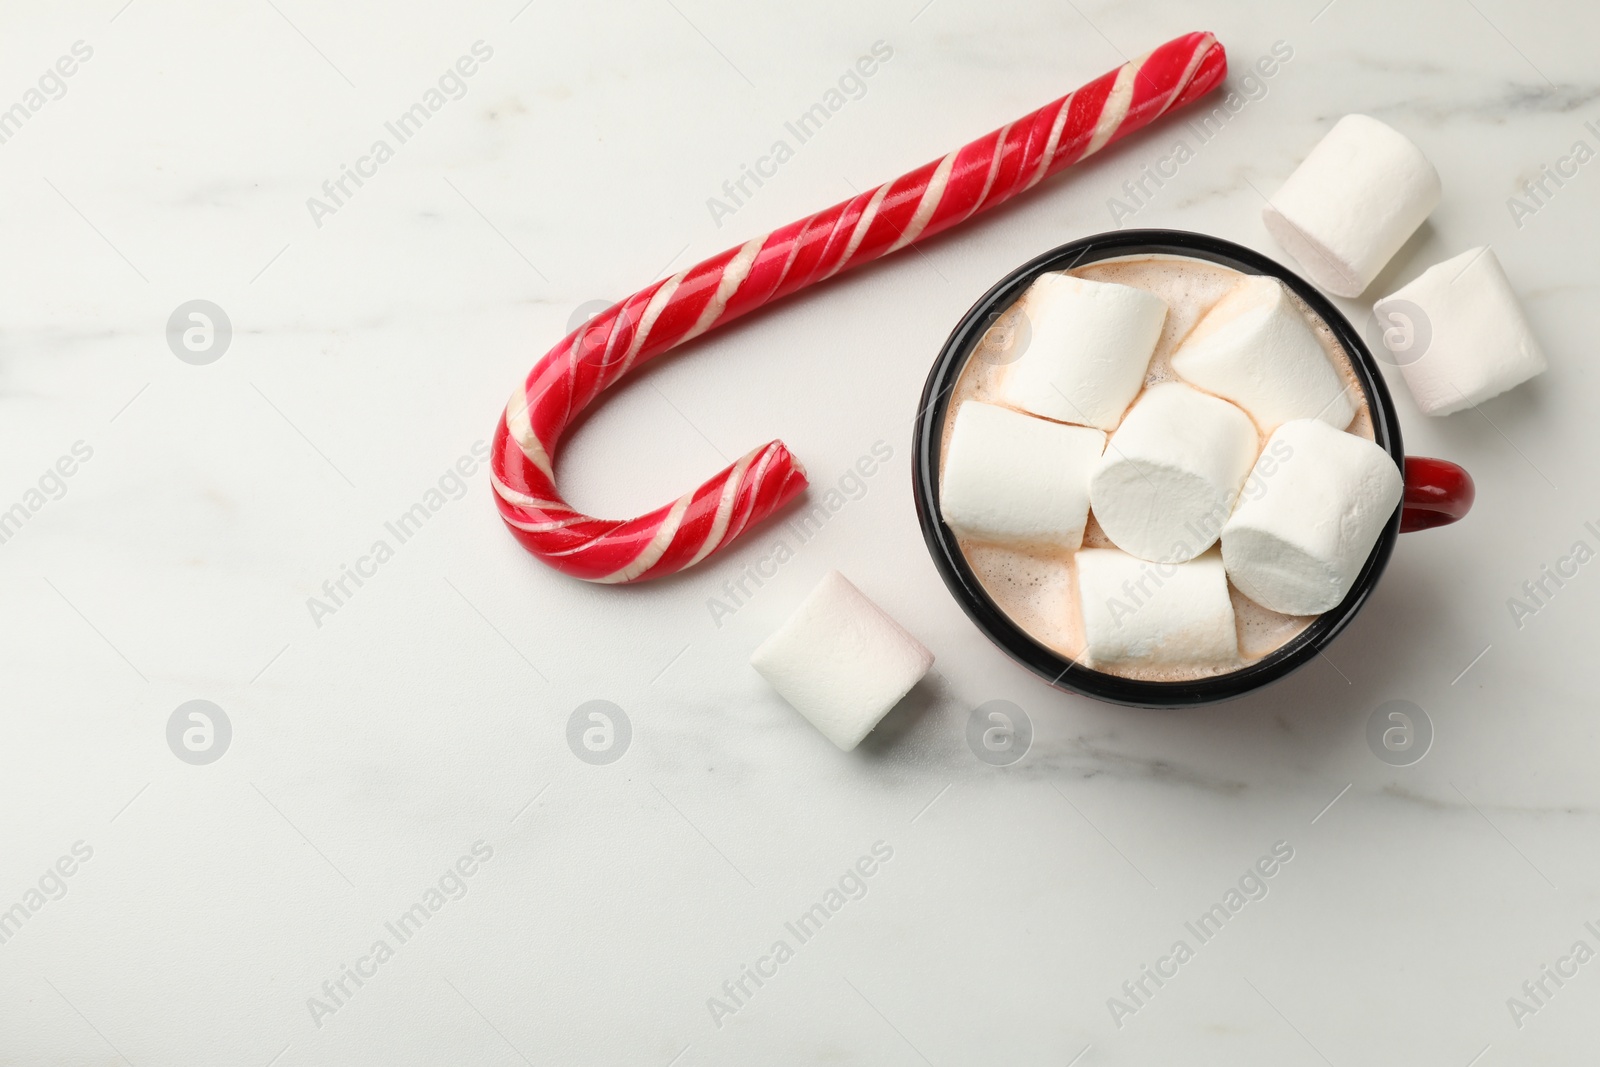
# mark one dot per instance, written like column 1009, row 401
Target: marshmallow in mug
column 1346, row 210
column 1171, row 473
column 1255, row 348
column 841, row 661
column 1298, row 546
column 1147, row 614
column 1088, row 347
column 1010, row 478
column 1459, row 334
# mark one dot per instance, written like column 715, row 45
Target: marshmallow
column 1459, row 334
column 841, row 662
column 1152, row 614
column 1171, row 473
column 1349, row 207
column 1324, row 498
column 1089, row 346
column 1255, row 348
column 1010, row 478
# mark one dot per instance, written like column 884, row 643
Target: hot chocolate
column 1038, row 584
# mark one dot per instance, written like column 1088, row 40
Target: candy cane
column 657, row 319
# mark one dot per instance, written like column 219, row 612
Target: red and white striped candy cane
column 659, row 318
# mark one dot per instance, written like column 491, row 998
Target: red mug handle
column 1438, row 493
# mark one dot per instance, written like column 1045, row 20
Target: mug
column 1437, row 492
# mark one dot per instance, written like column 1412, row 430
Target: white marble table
column 374, row 746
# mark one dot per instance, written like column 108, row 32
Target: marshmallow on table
column 1171, row 473
column 1010, row 478
column 1255, row 348
column 1089, row 345
column 841, row 662
column 1459, row 334
column 1152, row 614
column 1297, row 546
column 1349, row 207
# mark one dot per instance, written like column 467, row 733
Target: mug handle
column 1438, row 493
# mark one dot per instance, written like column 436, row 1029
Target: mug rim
column 1058, row 670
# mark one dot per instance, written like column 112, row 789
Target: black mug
column 1436, row 491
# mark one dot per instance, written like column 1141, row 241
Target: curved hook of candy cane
column 669, row 313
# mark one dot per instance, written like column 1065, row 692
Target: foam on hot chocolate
column 1037, row 587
